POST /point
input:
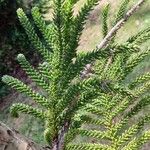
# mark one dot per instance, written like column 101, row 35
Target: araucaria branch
column 71, row 102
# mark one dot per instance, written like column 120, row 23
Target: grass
column 89, row 39
column 25, row 124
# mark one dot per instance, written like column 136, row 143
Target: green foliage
column 105, row 18
column 26, row 109
column 71, row 104
column 43, row 5
column 13, row 40
column 122, row 10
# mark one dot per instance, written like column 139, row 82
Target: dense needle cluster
column 99, row 107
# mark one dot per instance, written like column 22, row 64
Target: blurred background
column 13, row 40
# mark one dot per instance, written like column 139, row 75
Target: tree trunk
column 10, row 139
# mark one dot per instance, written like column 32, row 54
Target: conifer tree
column 72, row 103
